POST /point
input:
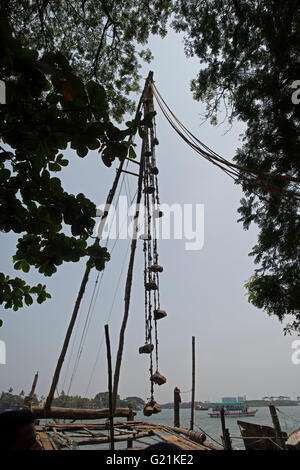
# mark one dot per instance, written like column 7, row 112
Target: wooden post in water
column 278, row 432
column 29, row 398
column 225, row 433
column 193, row 384
column 177, row 400
column 111, row 409
column 34, row 385
column 130, row 418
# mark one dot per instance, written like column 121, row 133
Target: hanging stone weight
column 151, row 407
column 151, row 285
column 155, row 268
column 146, row 349
column 145, row 236
column 158, row 379
column 149, row 190
column 148, row 410
column 159, row 314
column 154, row 170
column 156, row 408
column 157, row 213
column 155, row 141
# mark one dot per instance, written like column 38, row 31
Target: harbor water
column 289, row 417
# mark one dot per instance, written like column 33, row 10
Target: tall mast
column 147, row 91
column 84, row 281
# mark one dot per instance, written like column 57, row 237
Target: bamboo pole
column 130, row 266
column 84, row 281
column 29, row 398
column 193, row 384
column 128, row 286
column 177, row 401
column 111, row 411
column 105, row 440
column 56, row 412
column 34, row 385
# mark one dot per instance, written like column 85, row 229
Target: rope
column 289, row 417
column 206, row 433
column 116, row 290
column 234, row 171
column 92, row 304
column 108, row 318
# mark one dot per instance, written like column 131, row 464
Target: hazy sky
column 239, row 349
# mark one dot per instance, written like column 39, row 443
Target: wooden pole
column 193, row 384
column 29, row 398
column 130, row 266
column 111, row 410
column 56, row 412
column 34, row 385
column 177, row 401
column 278, row 432
column 82, row 289
column 225, row 431
column 84, row 281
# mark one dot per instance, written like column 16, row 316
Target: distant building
column 226, row 399
column 298, row 398
column 279, row 398
column 234, row 399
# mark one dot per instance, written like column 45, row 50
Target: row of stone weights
column 152, row 407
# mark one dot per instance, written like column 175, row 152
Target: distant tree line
column 9, row 400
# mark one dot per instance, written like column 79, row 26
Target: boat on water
column 202, row 408
column 232, row 410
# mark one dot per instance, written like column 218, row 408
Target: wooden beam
column 105, row 440
column 77, row 413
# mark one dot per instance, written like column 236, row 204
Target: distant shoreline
column 252, row 403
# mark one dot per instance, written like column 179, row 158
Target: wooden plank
column 44, row 440
column 181, row 442
column 102, row 440
column 78, row 413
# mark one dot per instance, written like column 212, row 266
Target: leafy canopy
column 102, row 39
column 48, row 106
column 249, row 53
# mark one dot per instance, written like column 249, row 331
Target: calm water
column 289, row 417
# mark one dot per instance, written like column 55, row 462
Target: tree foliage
column 102, row 39
column 48, row 107
column 249, row 56
column 249, row 53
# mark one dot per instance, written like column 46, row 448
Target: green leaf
column 82, row 151
column 132, row 153
column 25, row 266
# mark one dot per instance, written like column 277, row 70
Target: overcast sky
column 239, row 349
